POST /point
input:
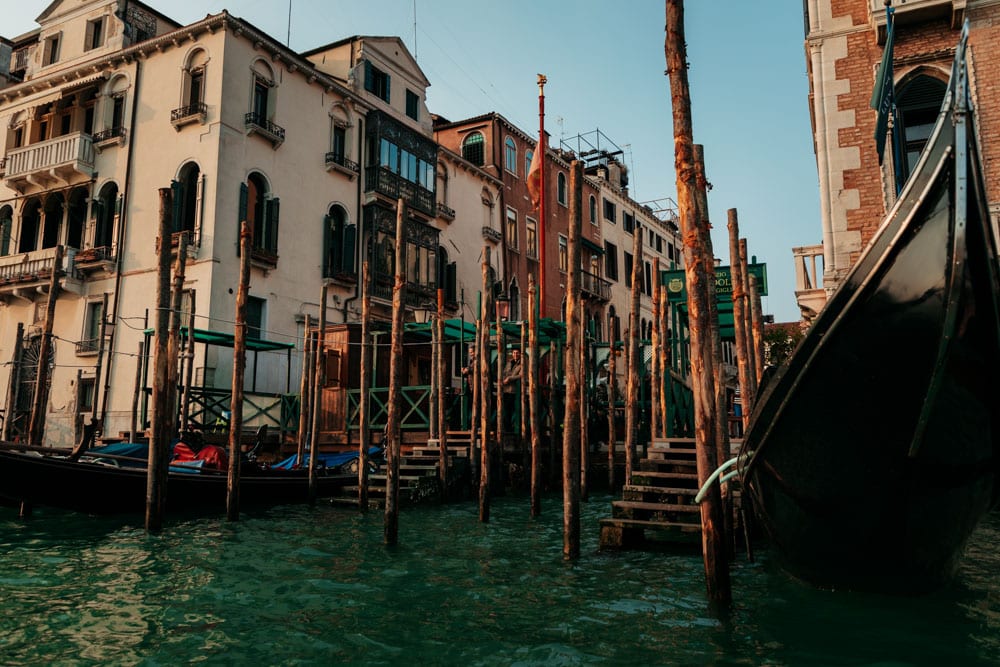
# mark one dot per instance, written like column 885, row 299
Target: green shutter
column 270, row 236
column 241, row 214
column 451, row 282
column 348, row 251
column 327, row 232
column 177, row 206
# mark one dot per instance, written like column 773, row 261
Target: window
column 51, row 53
column 648, row 284
column 593, row 210
column 610, row 212
column 339, row 244
column 105, row 211
column 527, row 162
column 376, row 81
column 339, row 143
column 659, row 244
column 531, row 238
column 187, row 199
column 473, row 148
column 260, row 210
column 563, row 254
column 118, row 111
column 919, row 101
column 412, row 105
column 511, row 229
column 91, row 327
column 30, row 221
column 628, row 269
column 510, row 156
column 85, row 395
column 561, row 188
column 255, row 317
column 611, row 261
column 259, row 101
column 95, row 34
column 6, row 220
column 196, row 84
column 406, row 164
column 628, row 222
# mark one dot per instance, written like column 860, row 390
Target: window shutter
column 241, row 214
column 271, row 225
column 5, row 237
column 177, row 206
column 89, row 41
column 349, row 251
column 369, row 83
column 388, row 80
column 451, row 282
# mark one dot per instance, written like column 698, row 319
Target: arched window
column 193, row 78
column 260, row 210
column 339, row 244
column 473, row 148
column 593, row 210
column 187, row 195
column 6, row 220
column 514, row 294
column 30, row 222
column 919, row 101
column 528, row 155
column 76, row 218
column 510, row 155
column 561, row 188
column 52, row 225
column 105, row 211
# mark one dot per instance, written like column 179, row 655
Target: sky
column 605, row 67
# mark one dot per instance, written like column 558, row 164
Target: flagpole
column 541, row 193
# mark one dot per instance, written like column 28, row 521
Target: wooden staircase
column 418, row 473
column 658, row 505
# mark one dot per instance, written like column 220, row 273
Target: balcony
column 53, row 162
column 113, row 136
column 339, row 162
column 192, row 113
column 87, row 347
column 490, row 234
column 445, row 212
column 393, row 186
column 26, row 275
column 809, row 293
column 99, row 262
column 595, row 287
column 256, row 123
column 915, row 11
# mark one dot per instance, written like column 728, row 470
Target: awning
column 81, row 84
column 223, row 339
column 587, row 243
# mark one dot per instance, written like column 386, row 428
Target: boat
column 112, row 480
column 872, row 453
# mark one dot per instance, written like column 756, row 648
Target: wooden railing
column 275, row 410
column 414, row 413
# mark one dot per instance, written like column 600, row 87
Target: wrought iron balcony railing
column 595, row 286
column 258, row 123
column 445, row 211
column 384, row 182
column 109, row 134
column 189, row 114
column 336, row 159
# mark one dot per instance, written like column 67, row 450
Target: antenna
column 414, row 29
column 288, row 35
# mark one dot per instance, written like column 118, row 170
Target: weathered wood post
column 584, row 402
column 663, row 381
column 305, row 391
column 395, row 376
column 435, row 383
column 739, row 315
column 188, row 370
column 474, row 413
column 156, row 470
column 484, row 391
column 40, row 399
column 757, row 326
column 239, row 371
column 174, row 341
column 364, row 388
column 316, row 395
column 442, row 411
column 752, row 364
column 697, row 277
column 13, row 383
column 656, row 361
column 612, row 386
column 553, row 407
column 133, row 422
column 574, row 343
column 632, row 389
column 535, row 425
column 102, row 332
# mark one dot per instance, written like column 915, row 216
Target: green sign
column 676, row 284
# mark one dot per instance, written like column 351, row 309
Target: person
column 511, row 387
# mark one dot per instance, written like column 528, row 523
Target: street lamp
column 423, row 313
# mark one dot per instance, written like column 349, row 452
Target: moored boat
column 873, row 453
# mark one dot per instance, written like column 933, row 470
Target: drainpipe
column 359, row 238
column 119, row 259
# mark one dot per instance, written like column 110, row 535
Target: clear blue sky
column 605, row 67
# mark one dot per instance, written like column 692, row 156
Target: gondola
column 99, row 483
column 873, row 453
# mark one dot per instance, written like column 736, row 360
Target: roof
column 223, row 339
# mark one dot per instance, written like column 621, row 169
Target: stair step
column 653, row 474
column 654, row 507
column 651, row 525
column 641, row 488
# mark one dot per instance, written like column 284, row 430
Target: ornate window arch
column 474, row 148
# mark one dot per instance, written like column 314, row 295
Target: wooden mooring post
column 475, row 434
column 316, row 395
column 37, row 422
column 573, row 355
column 632, row 398
column 391, row 524
column 188, row 369
column 656, row 361
column 739, row 316
column 156, row 469
column 757, row 327
column 305, row 390
column 174, row 340
column 483, row 358
column 442, row 412
column 535, row 423
column 612, row 388
column 239, row 370
column 699, row 270
column 13, row 383
column 748, row 325
column 364, row 400
column 140, row 358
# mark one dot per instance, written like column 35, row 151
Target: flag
column 883, row 97
column 534, row 177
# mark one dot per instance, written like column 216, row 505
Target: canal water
column 301, row 585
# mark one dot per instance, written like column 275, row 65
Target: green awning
column 223, row 339
column 587, row 243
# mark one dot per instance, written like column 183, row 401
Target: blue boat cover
column 324, row 460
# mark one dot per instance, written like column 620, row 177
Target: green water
column 304, row 585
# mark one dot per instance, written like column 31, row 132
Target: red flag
column 534, row 177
